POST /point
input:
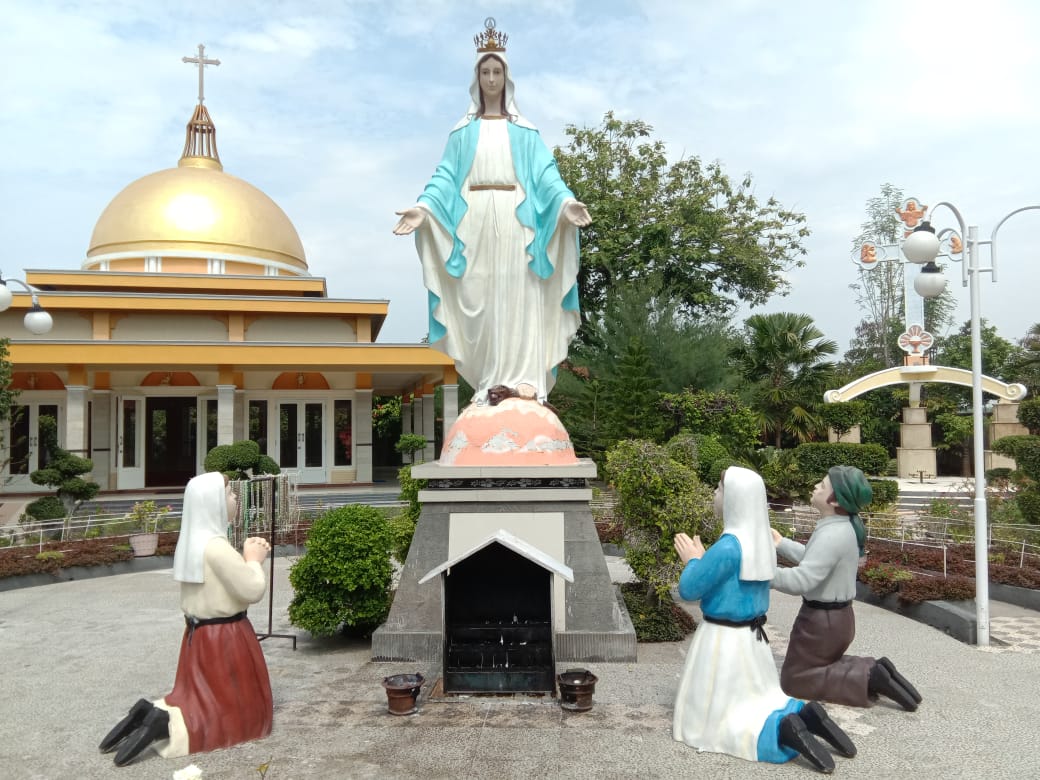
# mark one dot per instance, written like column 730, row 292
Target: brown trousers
column 816, row 668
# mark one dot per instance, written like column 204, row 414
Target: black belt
column 755, row 624
column 193, row 622
column 826, row 604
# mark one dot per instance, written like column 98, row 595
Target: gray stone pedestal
column 915, row 455
column 547, row 507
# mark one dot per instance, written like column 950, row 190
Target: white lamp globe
column 38, row 321
column 921, row 246
column 5, row 297
column 931, row 282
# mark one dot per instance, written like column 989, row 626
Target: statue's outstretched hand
column 410, row 220
column 576, row 213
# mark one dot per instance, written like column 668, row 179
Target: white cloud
column 340, row 112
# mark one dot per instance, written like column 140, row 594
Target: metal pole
column 981, row 520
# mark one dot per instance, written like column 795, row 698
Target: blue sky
column 340, row 110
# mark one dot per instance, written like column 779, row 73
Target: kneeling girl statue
column 222, row 693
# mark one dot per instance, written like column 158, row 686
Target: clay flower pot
column 576, row 689
column 144, row 544
column 401, row 692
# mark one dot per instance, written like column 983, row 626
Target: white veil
column 203, row 517
column 745, row 515
column 510, row 92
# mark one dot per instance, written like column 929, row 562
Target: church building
column 194, row 322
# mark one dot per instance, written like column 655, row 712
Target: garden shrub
column 1029, row 415
column 46, row 508
column 657, row 498
column 715, row 472
column 886, row 493
column 815, row 458
column 784, row 477
column 1028, row 501
column 885, row 578
column 664, row 622
column 343, row 581
column 697, row 451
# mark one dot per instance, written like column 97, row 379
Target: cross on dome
column 202, row 62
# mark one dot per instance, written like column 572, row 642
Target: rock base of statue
column 516, row 432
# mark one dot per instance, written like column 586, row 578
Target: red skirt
column 222, row 686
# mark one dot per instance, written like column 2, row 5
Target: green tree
column 880, row 290
column 783, row 359
column 999, row 358
column 633, row 405
column 708, row 241
column 671, row 352
column 1027, row 368
column 843, row 417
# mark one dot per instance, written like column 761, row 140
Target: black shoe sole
column 794, row 734
column 819, row 723
column 885, row 684
column 156, row 726
column 891, row 667
column 127, row 725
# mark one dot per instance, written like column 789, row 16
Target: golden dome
column 196, row 211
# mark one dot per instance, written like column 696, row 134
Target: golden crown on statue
column 491, row 39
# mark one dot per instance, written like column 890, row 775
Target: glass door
column 26, row 446
column 301, row 439
column 130, row 455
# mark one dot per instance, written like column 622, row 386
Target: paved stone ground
column 76, row 655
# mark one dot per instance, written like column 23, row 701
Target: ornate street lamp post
column 922, row 246
column 36, row 319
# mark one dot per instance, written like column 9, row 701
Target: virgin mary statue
column 496, row 230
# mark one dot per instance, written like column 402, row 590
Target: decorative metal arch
column 920, row 374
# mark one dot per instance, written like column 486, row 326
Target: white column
column 429, row 429
column 225, row 414
column 76, row 420
column 363, row 435
column 451, row 407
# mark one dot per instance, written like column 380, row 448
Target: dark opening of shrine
column 498, row 635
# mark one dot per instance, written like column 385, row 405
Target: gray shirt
column 827, row 563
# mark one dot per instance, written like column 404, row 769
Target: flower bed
column 916, row 573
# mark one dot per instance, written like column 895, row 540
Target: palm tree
column 783, row 359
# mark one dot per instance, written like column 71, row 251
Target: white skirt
column 729, row 687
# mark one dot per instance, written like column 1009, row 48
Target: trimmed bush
column 239, row 460
column 1029, row 414
column 46, row 508
column 815, row 458
column 343, row 581
column 886, row 493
